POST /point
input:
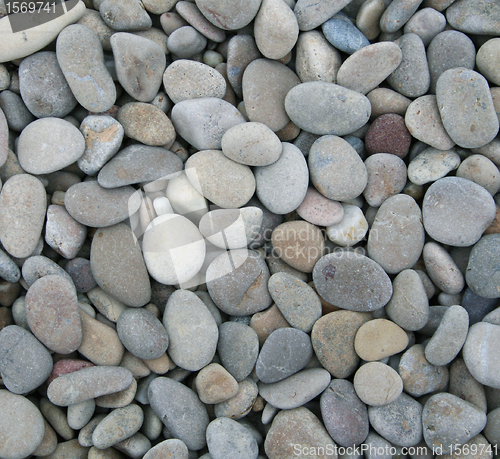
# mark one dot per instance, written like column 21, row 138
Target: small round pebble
column 377, row 384
column 482, row 171
column 214, row 384
column 185, row 42
column 379, row 338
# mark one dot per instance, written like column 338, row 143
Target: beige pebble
column 215, row 384
column 265, row 322
column 118, row 399
column 385, row 100
column 481, row 170
column 377, row 384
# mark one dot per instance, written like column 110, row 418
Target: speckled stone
column 297, row 301
column 463, row 385
column 426, row 23
column 297, row 389
column 482, row 171
column 344, row 414
column 386, row 177
column 92, row 205
column 316, row 59
column 469, row 124
column 38, row 266
column 16, row 113
column 202, row 122
column 388, row 134
column 456, row 211
column 9, row 271
column 336, row 275
column 228, row 438
column 128, row 15
column 88, row 383
column 423, row 121
column 22, row 211
column 24, row 362
column 117, row 426
column 239, row 289
column 81, row 273
column 45, row 96
column 419, row 376
column 476, row 17
column 86, row 74
column 400, row 421
column 282, row 185
column 284, row 353
column 118, row 266
column 333, row 341
column 481, row 274
column 275, row 29
column 191, row 329
column 336, row 169
column 146, row 123
column 479, row 351
column 377, row 384
column 142, row 80
column 299, row 244
column 238, row 349
column 409, row 305
column 137, row 164
column 172, row 447
column 52, row 313
column 447, row 50
column 327, row 108
column 319, row 210
column 301, row 425
column 180, row 410
column 440, row 426
column 21, row 426
column 265, row 85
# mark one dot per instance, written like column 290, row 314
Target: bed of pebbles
column 241, row 229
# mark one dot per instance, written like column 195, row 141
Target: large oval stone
column 397, row 235
column 337, row 275
column 118, row 266
column 191, row 329
column 456, row 211
column 52, row 313
column 327, row 108
column 466, row 107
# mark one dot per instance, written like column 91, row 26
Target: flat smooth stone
column 336, row 169
column 480, row 348
column 92, row 205
column 214, row 384
column 265, row 85
column 241, row 50
column 23, row 202
column 195, row 18
column 22, row 427
column 397, row 14
column 365, row 69
column 343, row 34
column 296, row 390
column 480, row 17
column 423, row 120
column 88, row 383
column 180, row 410
column 326, row 108
column 335, row 275
column 143, row 79
column 38, row 266
column 85, row 73
column 25, row 363
column 377, row 384
column 456, row 211
column 186, row 79
column 426, row 23
column 482, row 171
column 312, row 13
column 391, row 243
column 202, row 122
column 228, row 438
column 52, row 313
column 191, row 329
column 45, row 96
column 275, row 29
column 282, row 185
column 137, row 164
column 221, row 180
column 468, row 123
column 442, row 269
column 48, row 145
column 26, row 42
column 229, row 14
column 385, row 100
column 481, row 273
column 185, row 42
column 319, row 210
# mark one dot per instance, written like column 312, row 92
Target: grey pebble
column 343, row 34
column 24, row 362
column 397, row 14
column 142, row 333
column 442, row 270
column 475, row 17
column 482, row 275
column 9, row 271
column 285, row 352
column 180, row 410
column 229, row 14
column 45, row 96
column 238, row 349
column 240, row 405
column 38, row 266
column 17, row 114
column 241, row 51
column 79, row 414
column 185, row 42
column 227, row 438
column 126, row 15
